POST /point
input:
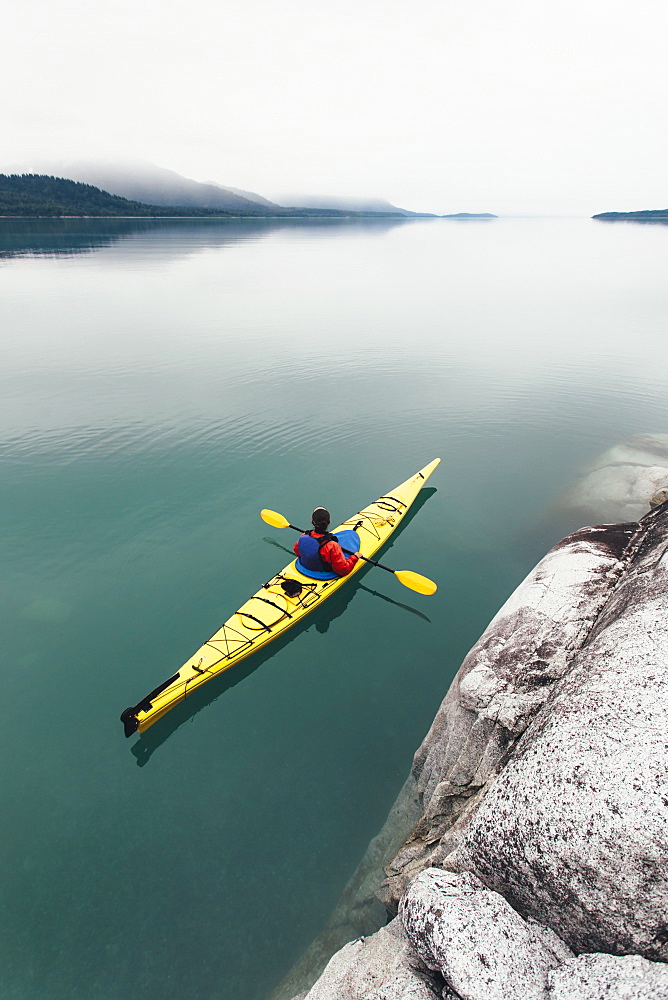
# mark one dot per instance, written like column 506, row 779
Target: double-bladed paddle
column 406, row 576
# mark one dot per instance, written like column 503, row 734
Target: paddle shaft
column 350, row 553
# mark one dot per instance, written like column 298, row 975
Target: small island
column 470, row 215
column 648, row 215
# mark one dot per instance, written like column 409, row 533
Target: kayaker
column 319, row 551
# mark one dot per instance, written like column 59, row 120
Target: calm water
column 160, row 383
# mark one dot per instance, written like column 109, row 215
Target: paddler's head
column 320, row 520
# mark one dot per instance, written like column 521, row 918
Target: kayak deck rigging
column 280, row 603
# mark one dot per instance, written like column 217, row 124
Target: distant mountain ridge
column 154, row 187
column 342, row 204
column 250, row 195
column 33, row 195
column 145, row 182
column 159, row 186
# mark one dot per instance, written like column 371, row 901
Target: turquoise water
column 162, row 382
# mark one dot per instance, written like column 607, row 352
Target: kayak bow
column 280, row 603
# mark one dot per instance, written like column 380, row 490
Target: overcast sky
column 506, row 106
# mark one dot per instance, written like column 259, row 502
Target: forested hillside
column 37, row 194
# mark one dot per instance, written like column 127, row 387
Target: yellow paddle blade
column 415, row 581
column 274, row 519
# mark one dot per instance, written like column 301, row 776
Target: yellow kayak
column 281, row 603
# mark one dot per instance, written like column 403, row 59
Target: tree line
column 42, row 195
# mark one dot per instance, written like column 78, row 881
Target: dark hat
column 320, row 516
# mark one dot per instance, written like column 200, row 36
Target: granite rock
column 608, row 977
column 501, row 685
column 380, row 967
column 474, row 938
column 404, row 985
column 574, row 830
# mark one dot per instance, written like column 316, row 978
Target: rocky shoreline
column 528, row 853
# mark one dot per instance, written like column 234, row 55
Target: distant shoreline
column 34, row 196
column 354, row 217
column 648, row 215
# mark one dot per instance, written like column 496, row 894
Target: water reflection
column 661, row 220
column 171, row 238
column 64, row 237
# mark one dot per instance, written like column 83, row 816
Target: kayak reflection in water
column 319, row 552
